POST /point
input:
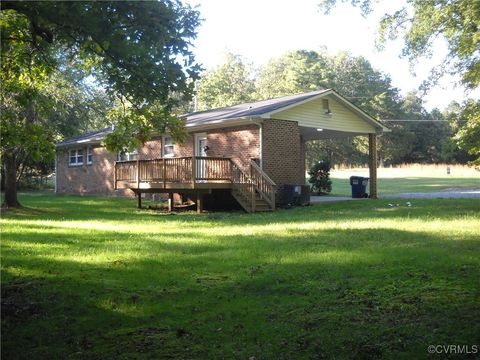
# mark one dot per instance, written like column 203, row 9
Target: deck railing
column 174, row 170
column 198, row 170
column 243, row 187
column 264, row 185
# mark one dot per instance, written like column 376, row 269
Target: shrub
column 320, row 176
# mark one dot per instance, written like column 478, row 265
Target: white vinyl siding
column 312, row 114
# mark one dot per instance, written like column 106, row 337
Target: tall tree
column 294, row 72
column 468, row 135
column 138, row 51
column 420, row 22
column 228, row 84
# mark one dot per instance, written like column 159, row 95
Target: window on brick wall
column 75, row 157
column 167, row 147
column 89, row 155
column 127, row 156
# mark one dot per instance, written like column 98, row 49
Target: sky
column 259, row 30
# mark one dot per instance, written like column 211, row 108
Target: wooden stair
column 254, row 193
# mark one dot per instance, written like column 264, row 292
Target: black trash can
column 359, row 186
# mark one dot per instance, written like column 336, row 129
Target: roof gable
column 269, row 108
column 247, row 110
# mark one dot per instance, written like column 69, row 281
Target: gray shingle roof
column 246, row 110
column 91, row 137
column 241, row 111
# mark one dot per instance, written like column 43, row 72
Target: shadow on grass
column 364, row 293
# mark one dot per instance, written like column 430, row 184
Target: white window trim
column 128, row 155
column 198, row 137
column 78, row 152
column 90, row 152
column 164, row 154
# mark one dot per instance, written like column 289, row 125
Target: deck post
column 170, row 202
column 199, row 202
column 274, row 190
column 139, row 200
column 194, row 170
column 138, row 174
column 164, row 173
column 253, row 196
column 115, row 175
column 372, row 164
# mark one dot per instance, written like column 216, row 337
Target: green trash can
column 359, row 186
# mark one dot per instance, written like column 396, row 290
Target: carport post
column 372, row 164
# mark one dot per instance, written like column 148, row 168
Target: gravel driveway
column 445, row 194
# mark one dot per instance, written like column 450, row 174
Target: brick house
column 249, row 150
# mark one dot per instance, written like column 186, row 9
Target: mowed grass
column 94, row 278
column 410, row 178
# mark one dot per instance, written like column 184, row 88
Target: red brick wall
column 240, row 143
column 87, row 179
column 151, row 150
column 185, row 149
column 283, row 155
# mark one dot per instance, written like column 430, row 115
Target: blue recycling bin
column 359, row 186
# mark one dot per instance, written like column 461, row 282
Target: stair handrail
column 263, row 184
column 242, row 182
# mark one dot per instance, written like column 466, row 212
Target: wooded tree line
column 426, row 137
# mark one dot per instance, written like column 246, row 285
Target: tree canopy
column 300, row 71
column 228, row 84
column 420, row 22
column 139, row 52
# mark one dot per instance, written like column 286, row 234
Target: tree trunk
column 9, row 163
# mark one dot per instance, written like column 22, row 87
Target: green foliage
column 356, row 79
column 421, row 22
column 292, row 73
column 226, row 85
column 137, row 51
column 319, row 176
column 468, row 135
column 97, row 279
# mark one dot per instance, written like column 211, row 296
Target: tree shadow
column 364, row 293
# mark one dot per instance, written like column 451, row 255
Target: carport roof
column 247, row 110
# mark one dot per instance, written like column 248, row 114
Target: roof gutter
column 225, row 122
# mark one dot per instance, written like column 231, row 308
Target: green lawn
column 94, row 278
column 341, row 186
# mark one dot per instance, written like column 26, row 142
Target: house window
column 89, row 155
column 167, row 148
column 76, row 157
column 127, row 156
column 326, row 107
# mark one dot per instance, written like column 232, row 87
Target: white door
column 201, row 150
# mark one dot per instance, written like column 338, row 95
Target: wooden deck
column 254, row 191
